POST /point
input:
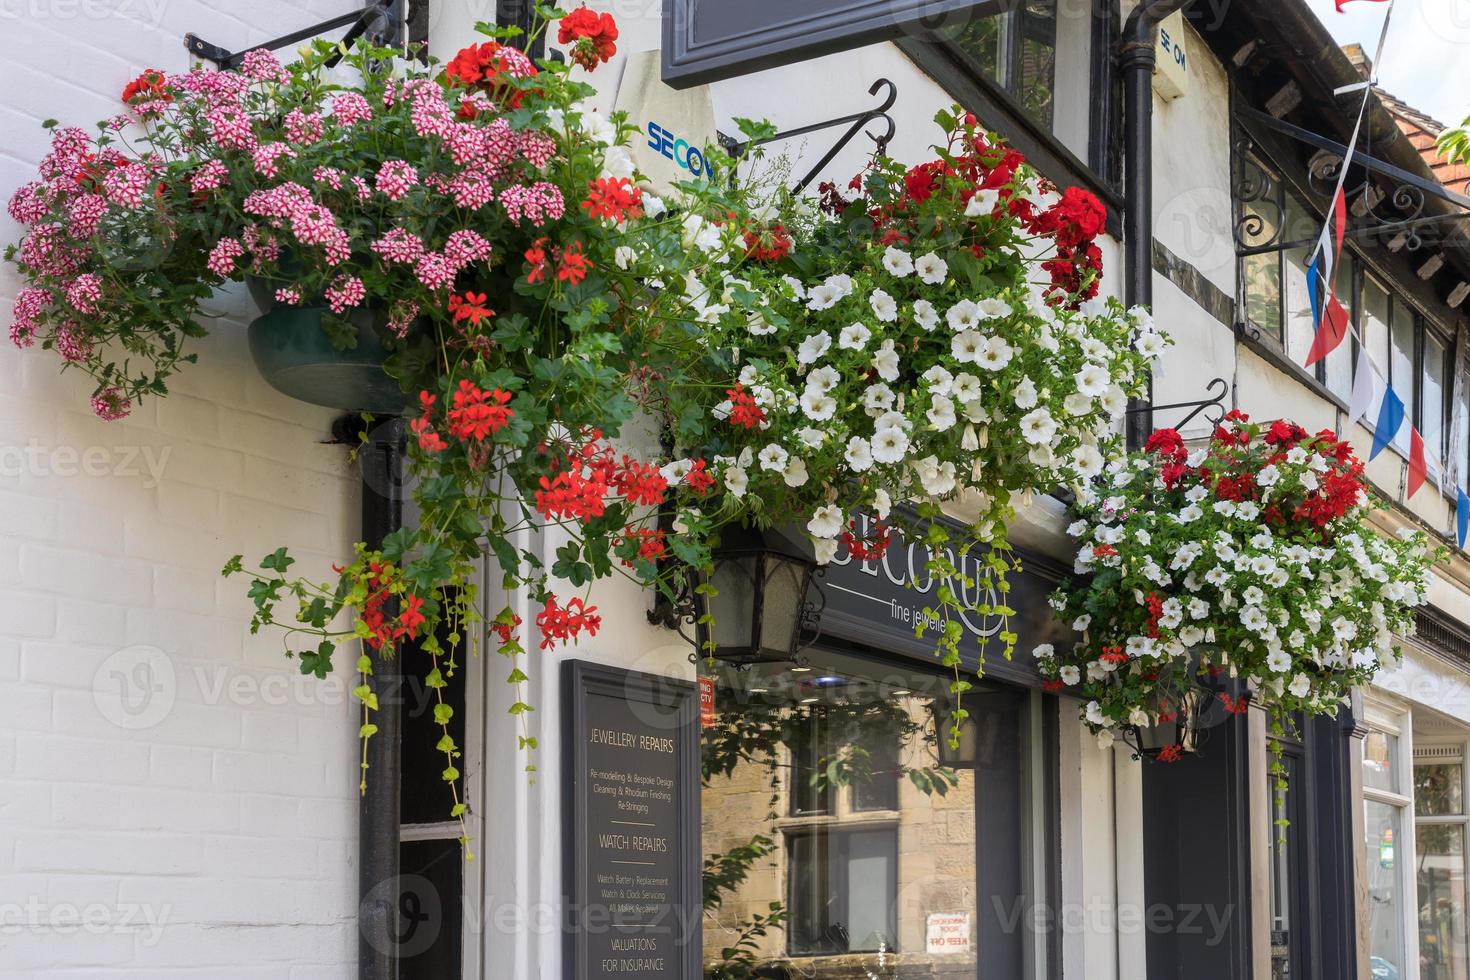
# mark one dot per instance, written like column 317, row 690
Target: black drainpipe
column 381, row 460
column 1136, row 65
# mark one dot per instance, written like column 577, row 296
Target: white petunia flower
column 1070, row 675
column 1300, row 686
column 823, row 379
column 859, row 454
column 882, row 503
column 890, row 444
column 773, row 457
column 624, row 257
column 825, row 550
column 941, row 413
column 736, row 480
column 878, row 399
column 997, row 354
column 940, row 380
column 982, row 203
column 885, row 307
column 817, row 406
column 964, row 315
column 1024, row 394
column 885, row 362
column 1114, row 401
column 925, row 315
column 795, row 473
column 898, row 262
column 937, row 478
column 967, row 388
column 967, row 346
column 1077, row 404
column 811, row 438
column 1038, row 427
column 931, row 268
column 1092, row 380
column 1278, row 661
column 992, row 308
column 813, row 347
column 1087, row 461
column 826, row 521
column 823, row 297
column 854, row 336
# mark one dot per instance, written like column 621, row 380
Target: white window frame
column 1384, row 716
column 1462, row 819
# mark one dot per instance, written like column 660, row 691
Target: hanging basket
column 295, row 356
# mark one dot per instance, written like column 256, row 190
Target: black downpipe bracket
column 381, row 458
column 1136, row 65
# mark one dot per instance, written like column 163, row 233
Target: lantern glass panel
column 781, row 610
column 734, row 581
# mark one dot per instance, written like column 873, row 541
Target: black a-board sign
column 631, row 825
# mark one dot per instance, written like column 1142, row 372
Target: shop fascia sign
column 675, row 126
column 886, row 581
column 1171, row 58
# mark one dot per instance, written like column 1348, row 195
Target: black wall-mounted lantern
column 762, row 607
column 1180, row 733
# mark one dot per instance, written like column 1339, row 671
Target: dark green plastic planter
column 295, row 357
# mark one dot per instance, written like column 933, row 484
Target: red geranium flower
column 147, row 87
column 614, row 198
column 573, row 265
column 469, row 306
column 487, row 67
column 478, row 413
column 591, row 36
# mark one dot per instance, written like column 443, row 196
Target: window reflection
column 836, row 844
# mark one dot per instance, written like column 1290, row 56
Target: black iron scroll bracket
column 855, row 122
column 1213, row 408
column 379, row 17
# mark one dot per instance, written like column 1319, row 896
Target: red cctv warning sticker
column 707, row 702
column 947, row 933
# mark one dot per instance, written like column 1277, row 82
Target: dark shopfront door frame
column 1197, row 847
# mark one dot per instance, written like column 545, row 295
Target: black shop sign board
column 632, row 831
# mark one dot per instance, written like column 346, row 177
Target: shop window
column 1434, row 402
column 1440, row 826
column 835, row 839
column 843, row 891
column 1386, row 850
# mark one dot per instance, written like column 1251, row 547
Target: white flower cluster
column 1184, row 577
column 902, row 382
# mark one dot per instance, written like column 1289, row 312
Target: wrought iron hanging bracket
column 855, row 122
column 379, row 15
column 1215, row 402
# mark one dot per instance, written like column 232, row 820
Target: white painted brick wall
column 214, row 839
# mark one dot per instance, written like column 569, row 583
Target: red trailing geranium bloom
column 573, row 265
column 147, row 87
column 650, row 543
column 698, row 478
column 469, row 306
column 769, row 245
column 591, row 35
column 1171, row 753
column 505, row 627
column 487, row 66
column 562, row 624
column 744, row 412
column 571, row 494
column 640, row 483
column 871, row 548
column 536, row 257
column 478, row 413
column 412, row 616
column 613, row 198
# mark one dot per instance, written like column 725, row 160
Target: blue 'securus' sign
column 691, row 158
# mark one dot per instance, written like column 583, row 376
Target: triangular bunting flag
column 1462, row 517
column 1339, row 220
column 1331, row 330
column 1365, row 388
column 1314, row 288
column 1417, row 469
column 1390, row 420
